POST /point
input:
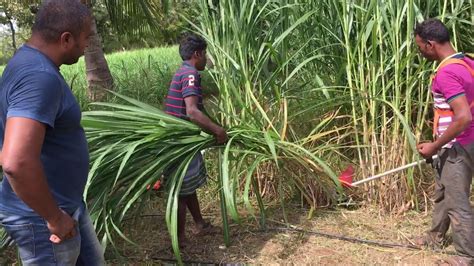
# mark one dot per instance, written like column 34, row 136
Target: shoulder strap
column 456, row 61
column 460, row 62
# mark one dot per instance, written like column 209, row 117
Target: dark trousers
column 454, row 171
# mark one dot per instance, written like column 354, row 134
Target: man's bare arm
column 204, row 122
column 22, row 166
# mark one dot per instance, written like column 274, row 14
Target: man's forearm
column 30, row 185
column 454, row 129
column 204, row 122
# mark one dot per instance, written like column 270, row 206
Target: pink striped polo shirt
column 450, row 82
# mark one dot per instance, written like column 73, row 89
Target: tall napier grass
column 355, row 61
column 254, row 42
column 388, row 84
column 297, row 68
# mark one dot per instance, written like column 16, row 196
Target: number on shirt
column 191, row 80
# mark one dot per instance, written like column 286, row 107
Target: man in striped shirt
column 184, row 100
column 453, row 92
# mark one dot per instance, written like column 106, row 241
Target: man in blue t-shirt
column 45, row 156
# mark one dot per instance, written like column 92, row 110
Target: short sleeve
column 450, row 81
column 37, row 96
column 191, row 85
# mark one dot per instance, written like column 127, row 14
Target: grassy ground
column 254, row 246
column 251, row 245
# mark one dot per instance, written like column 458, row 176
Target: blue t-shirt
column 32, row 87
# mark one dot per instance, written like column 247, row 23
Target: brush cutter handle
column 429, row 160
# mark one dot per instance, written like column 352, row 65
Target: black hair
column 54, row 17
column 189, row 44
column 432, row 30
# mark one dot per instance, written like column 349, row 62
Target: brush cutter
column 346, row 177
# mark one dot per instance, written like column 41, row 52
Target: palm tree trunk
column 98, row 73
column 12, row 29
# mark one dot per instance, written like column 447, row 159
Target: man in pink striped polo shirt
column 453, row 93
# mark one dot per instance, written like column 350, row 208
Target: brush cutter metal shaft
column 391, row 171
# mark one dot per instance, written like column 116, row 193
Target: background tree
column 129, row 18
column 15, row 17
column 6, row 18
column 98, row 73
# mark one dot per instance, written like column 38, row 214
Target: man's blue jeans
column 31, row 235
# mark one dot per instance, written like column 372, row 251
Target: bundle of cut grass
column 132, row 144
